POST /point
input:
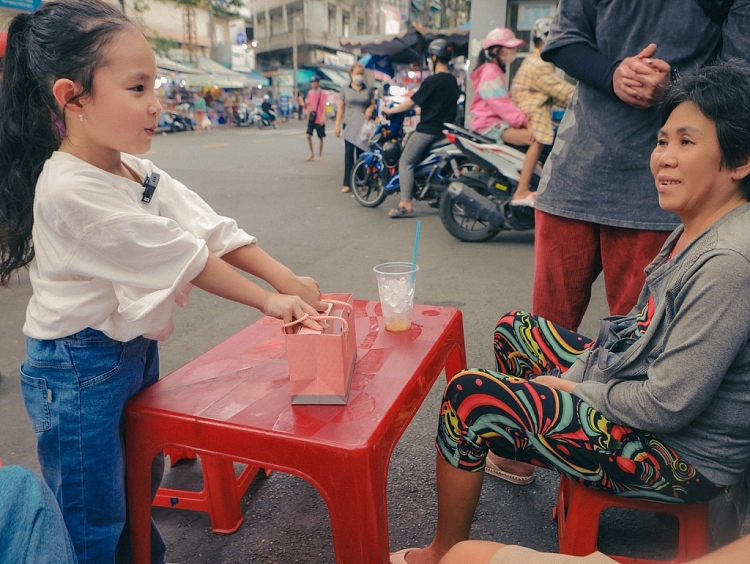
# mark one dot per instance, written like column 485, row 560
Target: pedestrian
column 112, row 243
column 595, row 208
column 536, row 88
column 300, row 105
column 316, row 116
column 199, row 105
column 356, row 104
column 654, row 407
column 437, row 98
column 495, row 114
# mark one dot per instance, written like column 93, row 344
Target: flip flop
column 400, row 212
column 400, row 556
column 494, row 470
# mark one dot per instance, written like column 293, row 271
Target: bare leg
column 458, row 495
column 524, row 182
column 310, row 145
column 320, row 149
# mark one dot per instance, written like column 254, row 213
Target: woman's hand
column 337, row 130
column 555, row 382
column 306, row 288
column 288, row 308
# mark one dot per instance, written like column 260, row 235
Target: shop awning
column 163, row 63
column 410, row 45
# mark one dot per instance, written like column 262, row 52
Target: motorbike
column 476, row 205
column 375, row 174
column 267, row 119
column 174, row 121
column 243, row 115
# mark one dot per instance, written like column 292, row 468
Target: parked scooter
column 243, row 115
column 375, row 174
column 476, row 205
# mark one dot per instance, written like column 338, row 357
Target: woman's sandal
column 400, row 556
column 494, row 470
column 400, row 211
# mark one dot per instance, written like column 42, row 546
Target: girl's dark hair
column 722, row 94
column 483, row 58
column 63, row 39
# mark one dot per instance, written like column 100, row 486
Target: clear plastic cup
column 396, row 289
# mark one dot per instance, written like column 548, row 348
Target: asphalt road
column 299, row 215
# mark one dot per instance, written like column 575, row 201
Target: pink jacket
column 491, row 101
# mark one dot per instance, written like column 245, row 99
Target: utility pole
column 295, row 19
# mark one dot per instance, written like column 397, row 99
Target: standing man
column 596, row 208
column 437, row 99
column 199, row 105
column 316, row 116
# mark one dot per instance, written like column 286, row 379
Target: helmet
column 541, row 28
column 391, row 153
column 266, row 97
column 503, row 37
column 441, row 49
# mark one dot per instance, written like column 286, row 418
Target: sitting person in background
column 536, row 87
column 494, row 113
column 655, row 407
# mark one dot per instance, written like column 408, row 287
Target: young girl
column 494, row 113
column 657, row 406
column 110, row 256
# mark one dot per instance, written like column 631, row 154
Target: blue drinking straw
column 416, row 249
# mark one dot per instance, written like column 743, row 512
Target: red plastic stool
column 579, row 509
column 221, row 493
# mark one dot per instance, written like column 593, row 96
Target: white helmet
column 266, row 97
column 541, row 28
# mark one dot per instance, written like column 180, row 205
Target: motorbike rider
column 536, row 87
column 437, row 98
column 268, row 107
column 495, row 114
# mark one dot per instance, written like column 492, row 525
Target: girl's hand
column 288, row 308
column 307, row 289
column 555, row 382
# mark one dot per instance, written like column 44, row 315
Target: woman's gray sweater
column 687, row 379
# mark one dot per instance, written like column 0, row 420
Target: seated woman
column 495, row 115
column 657, row 406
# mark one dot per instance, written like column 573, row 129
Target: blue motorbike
column 375, row 174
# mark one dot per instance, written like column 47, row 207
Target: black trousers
column 351, row 153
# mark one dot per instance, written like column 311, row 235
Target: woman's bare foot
column 346, row 189
column 511, row 466
column 426, row 555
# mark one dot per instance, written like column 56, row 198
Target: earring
column 80, row 117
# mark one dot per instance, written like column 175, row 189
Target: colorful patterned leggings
column 514, row 418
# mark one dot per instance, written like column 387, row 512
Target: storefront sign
column 529, row 12
column 25, row 5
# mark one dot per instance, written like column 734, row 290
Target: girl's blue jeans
column 75, row 389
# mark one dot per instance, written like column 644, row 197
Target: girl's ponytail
column 27, row 139
column 63, row 39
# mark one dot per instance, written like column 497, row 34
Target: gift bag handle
column 319, row 318
column 340, row 303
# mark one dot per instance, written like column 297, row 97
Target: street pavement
column 297, row 211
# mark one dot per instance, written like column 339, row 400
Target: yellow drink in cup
column 396, row 289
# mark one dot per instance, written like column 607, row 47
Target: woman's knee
column 476, row 552
column 510, row 319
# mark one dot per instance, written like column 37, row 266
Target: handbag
column 321, row 363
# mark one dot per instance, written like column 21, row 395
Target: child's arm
column 220, row 279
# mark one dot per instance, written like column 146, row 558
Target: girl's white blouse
column 106, row 260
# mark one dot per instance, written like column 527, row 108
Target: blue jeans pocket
column 96, row 360
column 36, row 396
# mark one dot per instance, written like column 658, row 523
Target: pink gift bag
column 321, row 363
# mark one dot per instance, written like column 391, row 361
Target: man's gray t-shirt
column 599, row 167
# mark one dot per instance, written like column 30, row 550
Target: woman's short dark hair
column 63, row 39
column 722, row 94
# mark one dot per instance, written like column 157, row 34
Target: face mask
column 358, row 79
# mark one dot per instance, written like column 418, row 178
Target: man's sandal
column 494, row 470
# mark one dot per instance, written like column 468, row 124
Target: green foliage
column 162, row 45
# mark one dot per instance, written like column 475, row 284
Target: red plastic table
column 234, row 402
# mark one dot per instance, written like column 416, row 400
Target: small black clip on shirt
column 150, row 184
